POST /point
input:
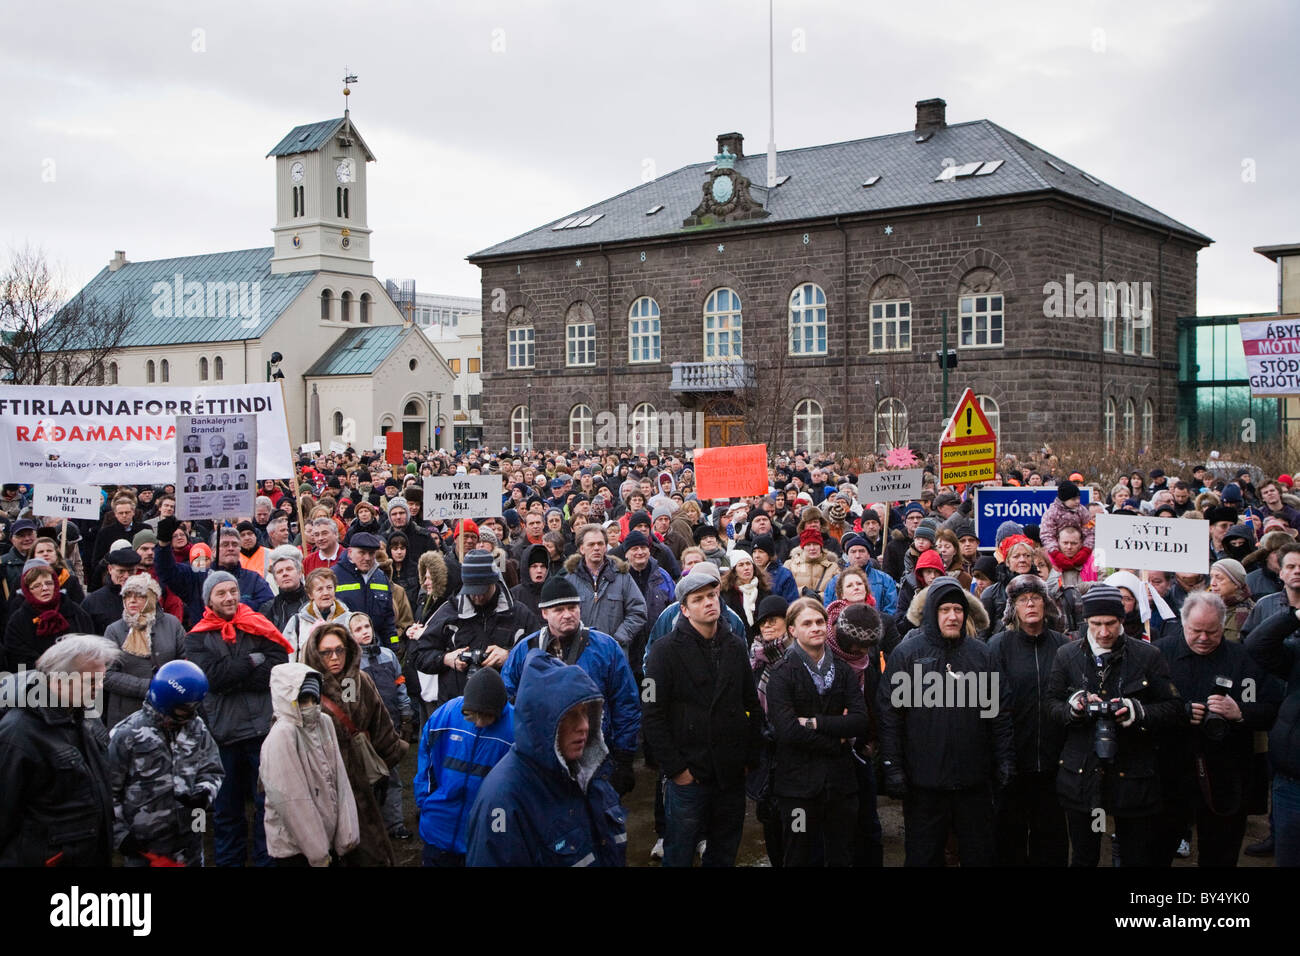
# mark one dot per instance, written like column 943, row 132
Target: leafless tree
column 48, row 339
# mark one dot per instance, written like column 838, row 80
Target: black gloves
column 895, row 782
column 622, row 778
column 197, row 800
column 166, row 528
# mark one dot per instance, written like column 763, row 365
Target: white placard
column 462, row 496
column 1272, row 351
column 1153, row 544
column 890, row 485
column 310, row 446
column 216, row 460
column 119, row 435
column 338, row 447
column 66, row 501
column 380, row 442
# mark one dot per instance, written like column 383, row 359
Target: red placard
column 393, row 453
column 734, row 472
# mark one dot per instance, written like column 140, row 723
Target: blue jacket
column 668, row 620
column 883, row 589
column 605, row 664
column 454, row 759
column 187, row 584
column 783, row 582
column 373, row 598
column 533, row 809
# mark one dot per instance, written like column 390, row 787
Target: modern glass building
column 1213, row 389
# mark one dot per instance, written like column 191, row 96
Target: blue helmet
column 177, row 683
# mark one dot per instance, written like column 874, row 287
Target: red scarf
column 1062, row 563
column 49, row 622
column 245, row 619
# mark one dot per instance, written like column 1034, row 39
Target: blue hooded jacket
column 454, row 758
column 605, row 664
column 532, row 810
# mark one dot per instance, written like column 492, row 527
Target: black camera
column 1215, row 726
column 1104, row 739
column 473, row 658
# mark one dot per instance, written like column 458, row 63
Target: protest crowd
column 798, row 655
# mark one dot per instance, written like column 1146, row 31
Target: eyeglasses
column 332, row 652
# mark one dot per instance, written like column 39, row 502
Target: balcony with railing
column 712, row 376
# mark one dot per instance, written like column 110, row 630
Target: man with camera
column 1110, row 692
column 1206, row 770
column 477, row 629
column 1273, row 645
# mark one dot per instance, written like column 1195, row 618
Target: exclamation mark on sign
column 968, row 414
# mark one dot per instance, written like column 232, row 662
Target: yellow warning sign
column 968, row 421
column 962, row 454
column 966, row 474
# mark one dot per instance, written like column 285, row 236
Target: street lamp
column 428, row 408
column 438, row 426
column 530, row 416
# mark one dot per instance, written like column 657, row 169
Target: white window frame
column 1108, row 424
column 581, row 416
column 1109, row 309
column 1130, row 423
column 989, row 406
column 521, row 429
column 890, row 411
column 973, row 316
column 643, row 332
column 521, row 344
column 723, row 323
column 892, row 328
column 807, row 319
column 1148, row 423
column 643, row 433
column 580, row 343
column 809, row 426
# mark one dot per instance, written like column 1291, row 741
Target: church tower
column 320, row 200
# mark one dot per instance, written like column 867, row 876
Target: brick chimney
column 118, row 260
column 931, row 115
column 733, row 142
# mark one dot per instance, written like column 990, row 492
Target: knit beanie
column 213, row 579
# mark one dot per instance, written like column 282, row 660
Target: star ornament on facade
column 721, row 247
column 889, row 230
column 578, row 263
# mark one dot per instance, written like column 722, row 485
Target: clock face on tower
column 723, row 189
column 296, row 172
column 343, row 172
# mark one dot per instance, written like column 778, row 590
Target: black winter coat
column 238, row 704
column 21, row 643
column 1138, row 671
column 1026, row 666
column 814, row 763
column 104, row 606
column 56, row 804
column 281, row 609
column 699, row 713
column 1275, row 646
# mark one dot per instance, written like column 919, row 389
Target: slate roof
column 360, row 351
column 827, row 181
column 312, row 136
column 266, row 297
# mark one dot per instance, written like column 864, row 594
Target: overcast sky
column 144, row 127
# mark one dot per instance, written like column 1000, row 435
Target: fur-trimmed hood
column 977, row 619
column 572, row 562
column 434, row 563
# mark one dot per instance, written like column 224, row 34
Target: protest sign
column 378, row 443
column 1152, row 544
column 338, row 447
column 310, row 446
column 890, row 485
column 119, row 435
column 734, row 472
column 215, row 465
column 451, row 497
column 66, row 501
column 968, row 450
column 1272, row 349
column 1021, row 505
column 393, row 448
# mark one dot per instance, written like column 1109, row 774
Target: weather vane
column 347, row 78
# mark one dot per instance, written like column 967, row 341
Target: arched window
column 98, row 377
column 66, row 369
column 1130, row 415
column 643, row 330
column 979, row 307
column 891, row 315
column 345, row 305
column 203, row 369
column 581, row 427
column 164, row 371
column 580, row 335
column 1108, row 424
column 412, row 409
column 521, row 429
column 326, row 297
column 1148, row 423
column 991, row 412
column 891, row 424
column 722, row 326
column 365, row 308
column 338, row 423
column 520, row 347
column 148, row 371
column 808, row 320
column 645, row 429
column 218, row 368
column 808, row 434
column 112, row 373
column 341, row 202
column 1109, row 302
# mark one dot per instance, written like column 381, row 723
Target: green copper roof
column 360, row 351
